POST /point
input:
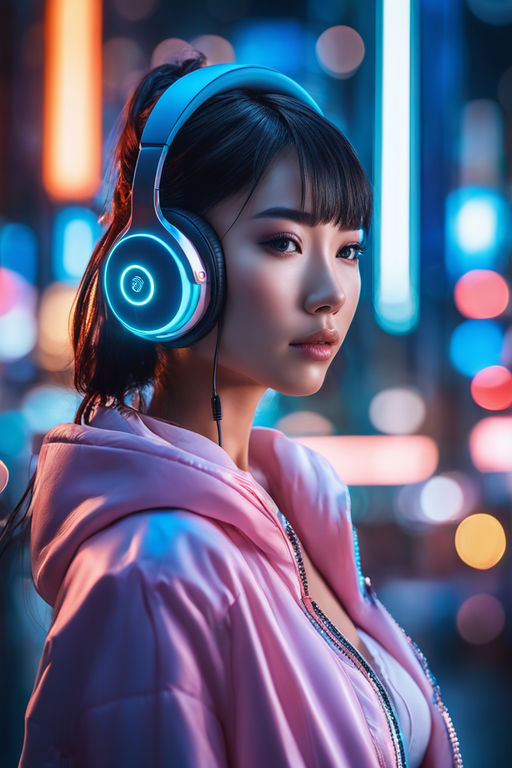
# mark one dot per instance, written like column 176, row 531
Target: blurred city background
column 415, row 411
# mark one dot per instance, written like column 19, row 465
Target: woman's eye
column 352, row 252
column 282, row 243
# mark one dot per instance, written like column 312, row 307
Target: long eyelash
column 282, row 236
column 359, row 248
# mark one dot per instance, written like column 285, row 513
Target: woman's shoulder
column 171, row 549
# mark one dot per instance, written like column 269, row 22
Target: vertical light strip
column 397, row 189
column 72, row 99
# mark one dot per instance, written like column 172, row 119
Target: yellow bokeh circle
column 480, row 541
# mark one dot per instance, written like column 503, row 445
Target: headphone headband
column 184, row 96
column 180, row 101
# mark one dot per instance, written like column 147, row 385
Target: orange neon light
column 378, row 459
column 72, row 99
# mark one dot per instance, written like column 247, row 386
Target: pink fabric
column 178, row 635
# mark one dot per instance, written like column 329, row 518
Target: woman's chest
column 331, row 606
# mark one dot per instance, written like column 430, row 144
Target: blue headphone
column 164, row 277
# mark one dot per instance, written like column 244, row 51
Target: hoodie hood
column 89, row 476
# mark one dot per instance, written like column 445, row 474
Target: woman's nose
column 325, row 294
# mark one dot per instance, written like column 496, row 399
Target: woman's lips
column 320, row 351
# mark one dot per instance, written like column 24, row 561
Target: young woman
column 208, row 605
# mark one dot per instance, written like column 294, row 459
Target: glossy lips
column 319, row 345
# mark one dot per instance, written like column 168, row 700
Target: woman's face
column 286, row 281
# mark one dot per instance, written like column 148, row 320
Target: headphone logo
column 137, row 283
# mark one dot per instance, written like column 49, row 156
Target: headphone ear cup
column 209, row 247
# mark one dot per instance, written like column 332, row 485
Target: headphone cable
column 216, row 404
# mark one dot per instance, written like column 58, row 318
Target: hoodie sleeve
column 133, row 671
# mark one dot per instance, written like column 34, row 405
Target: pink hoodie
column 182, row 633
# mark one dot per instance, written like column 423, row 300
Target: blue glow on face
column 137, row 284
column 476, row 344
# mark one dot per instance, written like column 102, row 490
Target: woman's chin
column 301, row 388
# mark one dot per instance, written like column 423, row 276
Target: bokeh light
column 122, row 57
column 476, row 225
column 4, row 476
column 45, row 406
column 15, row 291
column 491, row 388
column 480, row 540
column 14, row 433
column 378, row 459
column 18, row 250
column 480, row 619
column 397, row 411
column 476, row 230
column 305, row 423
column 75, row 233
column 170, row 51
column 18, row 333
column 481, row 293
column 340, row 51
column 217, row 49
column 442, row 499
column 54, row 344
column 476, row 344
column 420, row 505
column 135, row 10
column 490, row 444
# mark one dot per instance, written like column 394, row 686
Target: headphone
column 164, row 276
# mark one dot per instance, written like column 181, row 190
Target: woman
column 208, row 606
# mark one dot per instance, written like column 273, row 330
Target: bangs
column 340, row 191
column 229, row 143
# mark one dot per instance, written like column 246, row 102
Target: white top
column 408, row 701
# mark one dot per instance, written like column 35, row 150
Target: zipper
column 332, row 635
column 452, row 736
column 342, row 644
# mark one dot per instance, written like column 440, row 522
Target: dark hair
column 224, row 148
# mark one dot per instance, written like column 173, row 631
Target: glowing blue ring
column 151, row 285
column 189, row 298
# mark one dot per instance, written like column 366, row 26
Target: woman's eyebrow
column 301, row 217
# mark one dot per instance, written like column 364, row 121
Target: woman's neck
column 186, row 402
